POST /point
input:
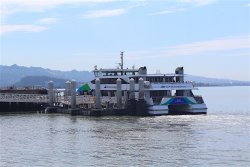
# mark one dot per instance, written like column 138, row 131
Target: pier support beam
column 119, row 93
column 147, row 97
column 51, row 93
column 141, row 105
column 67, row 91
column 73, row 93
column 125, row 95
column 141, row 89
column 131, row 88
column 131, row 103
column 97, row 94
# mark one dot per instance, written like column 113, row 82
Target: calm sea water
column 220, row 138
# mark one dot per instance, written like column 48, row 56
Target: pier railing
column 40, row 98
column 85, row 99
column 32, row 98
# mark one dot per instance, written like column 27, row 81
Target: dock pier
column 123, row 103
column 129, row 102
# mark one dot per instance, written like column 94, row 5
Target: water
column 221, row 138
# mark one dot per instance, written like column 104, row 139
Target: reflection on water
column 216, row 139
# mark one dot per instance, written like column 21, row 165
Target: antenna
column 122, row 59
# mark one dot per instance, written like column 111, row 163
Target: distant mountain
column 205, row 81
column 9, row 75
column 40, row 81
column 36, row 76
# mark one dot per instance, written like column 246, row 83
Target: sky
column 209, row 38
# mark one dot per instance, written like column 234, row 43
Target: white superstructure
column 163, row 93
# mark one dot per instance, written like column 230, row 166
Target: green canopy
column 84, row 88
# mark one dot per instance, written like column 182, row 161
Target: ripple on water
column 59, row 140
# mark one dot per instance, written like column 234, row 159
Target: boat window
column 96, row 73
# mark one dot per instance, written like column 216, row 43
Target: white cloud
column 21, row 28
column 48, row 3
column 210, row 46
column 103, row 13
column 49, row 20
column 183, row 5
column 198, row 2
column 248, row 5
column 170, row 10
column 9, row 7
column 218, row 45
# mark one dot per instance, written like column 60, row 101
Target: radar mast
column 122, row 59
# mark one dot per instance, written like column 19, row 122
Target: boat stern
column 184, row 105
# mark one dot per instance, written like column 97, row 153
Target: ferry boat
column 163, row 94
